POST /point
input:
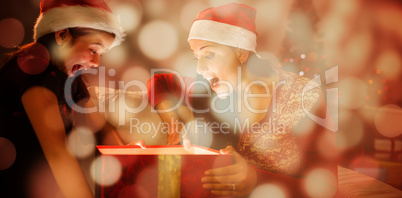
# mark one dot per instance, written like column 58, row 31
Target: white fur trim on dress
column 78, row 16
column 223, row 33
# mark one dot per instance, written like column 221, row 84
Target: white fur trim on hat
column 65, row 17
column 223, row 33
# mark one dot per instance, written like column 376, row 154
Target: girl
column 35, row 116
column 272, row 147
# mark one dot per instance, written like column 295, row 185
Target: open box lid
column 156, row 150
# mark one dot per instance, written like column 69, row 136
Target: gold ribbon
column 169, row 176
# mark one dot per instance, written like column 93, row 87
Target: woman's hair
column 49, row 40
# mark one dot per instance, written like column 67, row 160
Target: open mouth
column 76, row 68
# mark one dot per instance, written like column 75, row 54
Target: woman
column 35, row 116
column 272, row 148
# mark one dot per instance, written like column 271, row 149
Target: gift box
column 157, row 171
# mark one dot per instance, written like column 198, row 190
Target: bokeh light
column 185, row 65
column 366, row 165
column 270, row 16
column 158, row 40
column 155, row 8
column 198, row 132
column 35, row 2
column 189, row 12
column 81, row 142
column 35, row 60
column 41, row 183
column 352, row 92
column 106, row 170
column 290, row 67
column 351, row 130
column 270, row 190
column 136, row 72
column 388, row 120
column 320, row 183
column 11, row 32
column 214, row 3
column 390, row 64
column 115, row 57
column 7, row 154
column 130, row 15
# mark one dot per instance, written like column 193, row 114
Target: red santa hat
column 230, row 24
column 57, row 15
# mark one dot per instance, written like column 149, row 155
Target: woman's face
column 85, row 52
column 218, row 64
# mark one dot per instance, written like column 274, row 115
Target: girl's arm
column 164, row 90
column 42, row 109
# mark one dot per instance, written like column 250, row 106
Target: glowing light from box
column 11, row 32
column 7, row 154
column 390, row 64
column 111, row 170
column 320, row 183
column 189, row 12
column 158, row 40
column 388, row 120
column 129, row 15
column 353, row 93
column 81, row 142
column 268, row 189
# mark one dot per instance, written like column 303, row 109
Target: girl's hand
column 238, row 179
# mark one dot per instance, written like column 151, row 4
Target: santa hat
column 57, row 15
column 230, row 24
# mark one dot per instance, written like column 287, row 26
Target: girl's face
column 218, row 64
column 84, row 52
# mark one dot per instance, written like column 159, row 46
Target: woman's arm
column 41, row 106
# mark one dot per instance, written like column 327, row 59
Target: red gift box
column 157, row 171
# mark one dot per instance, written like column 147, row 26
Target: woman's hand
column 238, row 179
